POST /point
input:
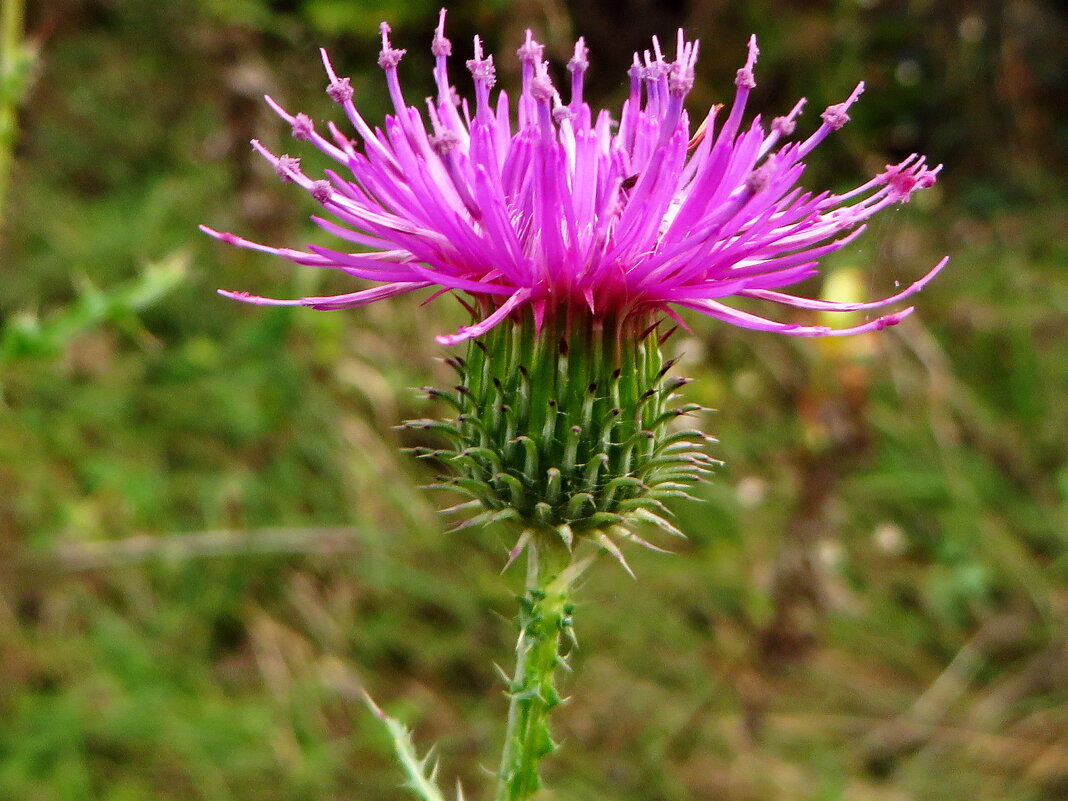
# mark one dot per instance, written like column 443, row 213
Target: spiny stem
column 544, row 617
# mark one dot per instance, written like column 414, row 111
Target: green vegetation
column 210, row 542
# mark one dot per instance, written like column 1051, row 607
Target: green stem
column 544, row 619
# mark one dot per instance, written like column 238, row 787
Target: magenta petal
column 345, row 301
column 746, row 320
column 480, row 328
column 832, row 306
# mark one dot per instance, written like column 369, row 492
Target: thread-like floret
column 340, row 90
column 760, row 178
column 784, row 126
column 321, row 191
column 561, row 113
column 303, row 127
column 444, row 142
column 389, row 57
column 680, row 80
column 440, row 46
column 541, row 88
column 287, row 167
column 902, row 180
column 530, row 52
column 579, row 62
column 482, row 69
column 745, row 78
column 836, row 116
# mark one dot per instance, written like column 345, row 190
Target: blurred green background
column 209, row 539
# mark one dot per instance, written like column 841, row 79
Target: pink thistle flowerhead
column 576, row 233
column 557, row 207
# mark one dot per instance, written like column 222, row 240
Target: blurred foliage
column 872, row 602
column 25, row 336
column 17, row 59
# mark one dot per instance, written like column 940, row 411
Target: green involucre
column 568, row 428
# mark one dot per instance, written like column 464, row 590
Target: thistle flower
column 573, row 235
column 574, row 240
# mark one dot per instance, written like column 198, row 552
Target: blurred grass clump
column 209, row 539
